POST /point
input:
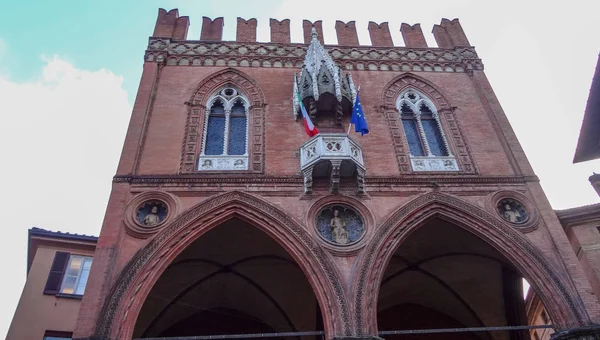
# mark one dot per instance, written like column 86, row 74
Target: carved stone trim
column 366, row 214
column 115, row 318
column 275, row 55
column 433, row 163
column 196, row 110
column 532, row 222
column 222, row 163
column 447, row 120
column 134, row 228
column 561, row 300
column 242, row 179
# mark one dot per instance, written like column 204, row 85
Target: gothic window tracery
column 427, row 143
column 225, row 140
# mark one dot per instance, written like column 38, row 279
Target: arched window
column 225, row 140
column 429, row 149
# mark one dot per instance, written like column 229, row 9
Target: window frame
column 428, row 161
column 225, row 161
column 69, row 261
column 57, row 335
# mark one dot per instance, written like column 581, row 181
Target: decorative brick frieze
column 242, row 180
column 271, row 55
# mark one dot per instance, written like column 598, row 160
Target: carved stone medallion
column 148, row 212
column 512, row 211
column 151, row 213
column 340, row 225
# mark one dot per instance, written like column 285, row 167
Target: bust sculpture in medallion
column 151, row 213
column 512, row 211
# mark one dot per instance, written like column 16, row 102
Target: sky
column 69, row 72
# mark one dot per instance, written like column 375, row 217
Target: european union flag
column 358, row 118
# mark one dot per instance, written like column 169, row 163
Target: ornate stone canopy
column 322, row 84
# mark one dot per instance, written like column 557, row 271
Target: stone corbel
column 308, row 179
column 360, row 180
column 334, row 179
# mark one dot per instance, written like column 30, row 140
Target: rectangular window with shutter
column 68, row 274
column 76, row 275
column 56, row 273
column 57, row 335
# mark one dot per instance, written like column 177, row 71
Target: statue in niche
column 338, row 229
column 152, row 218
column 151, row 213
column 340, row 225
column 511, row 215
column 512, row 211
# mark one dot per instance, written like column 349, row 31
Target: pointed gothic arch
column 195, row 125
column 447, row 118
column 561, row 300
column 118, row 316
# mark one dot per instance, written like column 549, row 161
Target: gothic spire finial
column 320, row 74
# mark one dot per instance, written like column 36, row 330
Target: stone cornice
column 271, row 55
column 241, row 179
column 578, row 215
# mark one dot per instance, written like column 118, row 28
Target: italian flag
column 309, row 127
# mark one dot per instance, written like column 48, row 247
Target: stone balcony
column 332, row 155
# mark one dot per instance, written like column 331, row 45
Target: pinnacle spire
column 321, row 74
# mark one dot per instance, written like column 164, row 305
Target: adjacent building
column 58, row 265
column 581, row 224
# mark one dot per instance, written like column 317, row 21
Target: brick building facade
column 225, row 218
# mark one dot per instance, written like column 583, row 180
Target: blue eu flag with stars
column 358, row 118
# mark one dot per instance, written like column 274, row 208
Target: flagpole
column 350, row 124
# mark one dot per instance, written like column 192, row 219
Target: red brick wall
column 153, row 148
column 162, row 148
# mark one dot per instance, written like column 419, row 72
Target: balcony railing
column 340, row 151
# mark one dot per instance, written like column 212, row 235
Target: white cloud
column 61, row 137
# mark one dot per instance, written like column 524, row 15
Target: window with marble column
column 427, row 142
column 225, row 135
